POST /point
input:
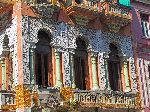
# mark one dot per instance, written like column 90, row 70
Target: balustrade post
column 58, row 70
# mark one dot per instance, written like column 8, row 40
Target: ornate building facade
column 141, row 32
column 67, row 56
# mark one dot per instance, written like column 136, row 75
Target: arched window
column 80, row 64
column 114, row 68
column 43, row 60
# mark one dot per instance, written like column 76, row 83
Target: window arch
column 80, row 64
column 114, row 68
column 43, row 60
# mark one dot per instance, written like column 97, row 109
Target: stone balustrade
column 7, row 100
column 114, row 8
column 49, row 97
column 104, row 99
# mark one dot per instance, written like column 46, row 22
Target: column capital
column 124, row 58
column 71, row 50
column 32, row 45
column 57, row 49
column 2, row 60
column 4, row 54
column 106, row 55
column 93, row 53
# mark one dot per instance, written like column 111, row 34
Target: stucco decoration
column 102, row 72
column 64, row 40
column 133, row 75
column 11, row 32
column 124, row 45
column 67, row 82
column 31, row 27
column 1, row 42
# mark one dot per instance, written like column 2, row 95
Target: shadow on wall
column 136, row 24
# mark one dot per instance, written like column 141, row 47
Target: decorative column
column 94, row 71
column 31, row 64
column 73, row 85
column 106, row 56
column 126, row 74
column 2, row 61
column 58, row 70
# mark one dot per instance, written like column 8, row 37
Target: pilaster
column 72, row 71
column 126, row 74
column 94, row 70
column 2, row 61
column 106, row 56
column 32, row 63
column 58, row 69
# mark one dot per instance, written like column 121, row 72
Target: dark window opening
column 80, row 60
column 145, row 24
column 114, row 68
column 43, row 62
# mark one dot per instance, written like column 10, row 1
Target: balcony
column 7, row 100
column 112, row 15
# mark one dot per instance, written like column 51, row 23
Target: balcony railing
column 49, row 97
column 105, row 99
column 7, row 100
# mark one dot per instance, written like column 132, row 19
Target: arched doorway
column 80, row 64
column 43, row 60
column 114, row 68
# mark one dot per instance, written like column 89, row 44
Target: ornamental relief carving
column 64, row 38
